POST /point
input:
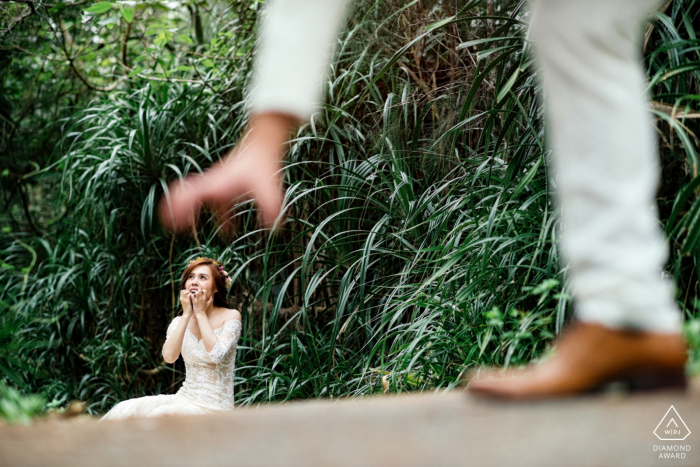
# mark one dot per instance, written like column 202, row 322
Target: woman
column 206, row 333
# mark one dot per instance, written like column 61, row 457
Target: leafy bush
column 17, row 408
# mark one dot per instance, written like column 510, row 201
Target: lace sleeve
column 226, row 341
column 172, row 327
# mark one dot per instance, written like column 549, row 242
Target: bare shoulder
column 232, row 314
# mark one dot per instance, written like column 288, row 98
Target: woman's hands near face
column 196, row 301
column 186, row 303
column 200, row 301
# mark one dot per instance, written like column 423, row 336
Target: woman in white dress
column 206, row 334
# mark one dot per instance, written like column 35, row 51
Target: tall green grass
column 419, row 237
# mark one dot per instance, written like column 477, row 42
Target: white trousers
column 604, row 147
column 605, row 160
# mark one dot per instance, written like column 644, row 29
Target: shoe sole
column 654, row 380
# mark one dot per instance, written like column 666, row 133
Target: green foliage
column 17, row 408
column 419, row 237
column 98, row 278
column 55, row 59
column 674, row 73
column 692, row 335
column 14, row 371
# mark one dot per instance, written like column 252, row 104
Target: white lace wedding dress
column 208, row 386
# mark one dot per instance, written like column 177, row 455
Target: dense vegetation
column 419, row 238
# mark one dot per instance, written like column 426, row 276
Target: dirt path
column 408, row 430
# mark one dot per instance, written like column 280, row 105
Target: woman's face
column 201, row 279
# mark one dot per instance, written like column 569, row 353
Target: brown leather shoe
column 586, row 358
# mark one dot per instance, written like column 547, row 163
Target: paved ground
column 408, row 430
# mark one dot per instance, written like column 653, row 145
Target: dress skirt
column 155, row 406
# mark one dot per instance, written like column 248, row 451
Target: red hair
column 219, row 280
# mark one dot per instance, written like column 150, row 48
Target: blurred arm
column 174, row 337
column 295, row 51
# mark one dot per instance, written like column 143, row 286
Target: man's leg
column 606, row 172
column 605, row 160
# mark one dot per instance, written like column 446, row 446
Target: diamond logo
column 672, row 427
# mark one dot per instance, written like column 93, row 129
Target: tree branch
column 126, row 38
column 490, row 11
column 71, row 62
column 167, row 80
column 32, row 11
column 25, row 204
column 90, row 85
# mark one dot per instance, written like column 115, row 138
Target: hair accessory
column 227, row 279
column 220, row 268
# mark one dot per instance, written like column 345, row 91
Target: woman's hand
column 186, row 303
column 201, row 302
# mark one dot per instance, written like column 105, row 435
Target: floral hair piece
column 219, row 268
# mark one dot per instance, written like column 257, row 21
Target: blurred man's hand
column 252, row 170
